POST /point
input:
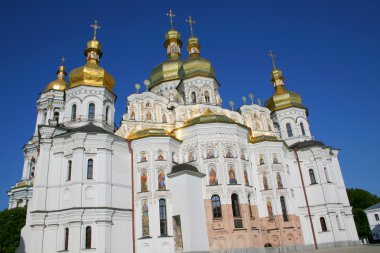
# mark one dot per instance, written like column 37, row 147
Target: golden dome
column 195, row 65
column 91, row 73
column 282, row 98
column 168, row 70
column 59, row 83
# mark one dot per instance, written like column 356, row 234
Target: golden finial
column 244, row 99
column 232, row 105
column 271, row 55
column 251, row 97
column 146, row 83
column 191, row 23
column 259, row 101
column 171, row 15
column 95, row 26
column 137, row 86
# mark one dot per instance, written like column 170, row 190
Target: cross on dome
column 191, row 22
column 95, row 26
column 171, row 15
column 62, row 60
column 271, row 55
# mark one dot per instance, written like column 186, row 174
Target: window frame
column 91, row 111
column 322, row 222
column 69, row 170
column 313, row 180
column 73, row 112
column 216, row 206
column 90, row 168
column 88, row 237
column 289, row 130
column 163, row 217
column 66, row 239
column 284, row 210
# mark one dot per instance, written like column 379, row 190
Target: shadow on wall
column 21, row 246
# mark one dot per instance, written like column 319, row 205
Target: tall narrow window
column 88, row 237
column 44, row 118
column 73, row 112
column 312, row 176
column 91, row 111
column 338, row 222
column 283, row 208
column 56, row 116
column 207, row 96
column 289, row 130
column 69, row 166
column 302, row 129
column 323, row 224
column 327, row 175
column 376, row 216
column 90, row 169
column 107, row 111
column 32, row 167
column 216, row 207
column 66, row 238
column 249, row 207
column 163, row 217
column 238, row 222
column 193, row 97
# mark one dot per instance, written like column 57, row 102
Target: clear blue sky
column 329, row 52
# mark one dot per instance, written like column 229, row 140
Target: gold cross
column 62, row 60
column 171, row 15
column 271, row 55
column 191, row 22
column 95, row 26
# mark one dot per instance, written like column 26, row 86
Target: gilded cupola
column 59, row 83
column 91, row 73
column 282, row 98
column 195, row 64
column 168, row 70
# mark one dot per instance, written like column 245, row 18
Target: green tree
column 361, row 199
column 11, row 223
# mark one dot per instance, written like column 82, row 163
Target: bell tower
column 287, row 112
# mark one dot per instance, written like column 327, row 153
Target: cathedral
column 181, row 173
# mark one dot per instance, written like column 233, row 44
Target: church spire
column 93, row 51
column 193, row 46
column 276, row 74
column 59, row 83
column 173, row 41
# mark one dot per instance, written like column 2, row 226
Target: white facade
column 373, row 217
column 180, row 174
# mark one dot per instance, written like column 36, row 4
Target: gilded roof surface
column 209, row 117
column 282, row 98
column 196, row 66
column 150, row 132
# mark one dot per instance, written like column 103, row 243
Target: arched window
column 323, row 224
column 216, row 207
column 88, row 237
column 163, row 218
column 249, row 206
column 91, row 111
column 279, row 181
column 289, row 130
column 238, row 221
column 32, row 168
column 235, row 205
column 73, row 112
column 44, row 118
column 327, row 175
column 283, row 208
column 90, row 169
column 265, row 183
column 107, row 112
column 302, row 129
column 56, row 116
column 69, row 166
column 193, row 97
column 207, row 96
column 19, row 203
column 66, row 239
column 312, row 176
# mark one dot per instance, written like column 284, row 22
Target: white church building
column 181, row 173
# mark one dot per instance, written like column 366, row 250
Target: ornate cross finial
column 62, row 60
column 171, row 15
column 95, row 26
column 271, row 55
column 191, row 23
